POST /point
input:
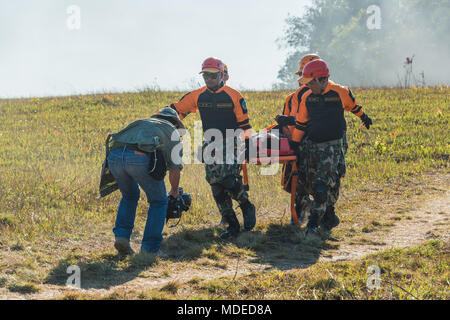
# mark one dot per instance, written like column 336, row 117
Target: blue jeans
column 131, row 171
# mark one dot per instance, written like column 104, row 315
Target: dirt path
column 427, row 220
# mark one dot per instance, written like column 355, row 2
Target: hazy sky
column 129, row 44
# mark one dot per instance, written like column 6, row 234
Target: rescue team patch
column 243, row 105
column 332, row 99
column 313, row 99
column 224, row 105
column 326, row 99
column 204, row 104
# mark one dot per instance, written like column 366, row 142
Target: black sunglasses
column 210, row 76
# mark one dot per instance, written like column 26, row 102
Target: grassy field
column 51, row 150
column 414, row 273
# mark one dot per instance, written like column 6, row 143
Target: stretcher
column 282, row 159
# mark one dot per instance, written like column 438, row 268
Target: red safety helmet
column 314, row 70
column 212, row 65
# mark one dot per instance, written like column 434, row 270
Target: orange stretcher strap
column 244, row 171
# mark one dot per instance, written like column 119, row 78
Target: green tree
column 358, row 55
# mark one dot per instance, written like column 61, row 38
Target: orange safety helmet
column 314, row 70
column 226, row 76
column 304, row 61
column 212, row 65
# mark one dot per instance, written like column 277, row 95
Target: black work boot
column 233, row 227
column 249, row 214
column 223, row 222
column 330, row 219
column 313, row 224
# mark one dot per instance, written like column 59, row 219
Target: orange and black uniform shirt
column 292, row 103
column 322, row 115
column 287, row 109
column 223, row 109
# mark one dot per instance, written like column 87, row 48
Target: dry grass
column 51, row 150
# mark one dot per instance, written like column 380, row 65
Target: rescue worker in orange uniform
column 321, row 116
column 290, row 109
column 222, row 108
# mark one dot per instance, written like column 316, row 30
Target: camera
column 178, row 205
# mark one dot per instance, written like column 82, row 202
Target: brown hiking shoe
column 122, row 245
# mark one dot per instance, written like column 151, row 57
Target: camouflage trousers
column 309, row 179
column 226, row 185
column 325, row 166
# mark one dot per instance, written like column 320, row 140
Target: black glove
column 285, row 121
column 295, row 146
column 366, row 120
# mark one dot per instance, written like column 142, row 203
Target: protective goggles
column 210, row 75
